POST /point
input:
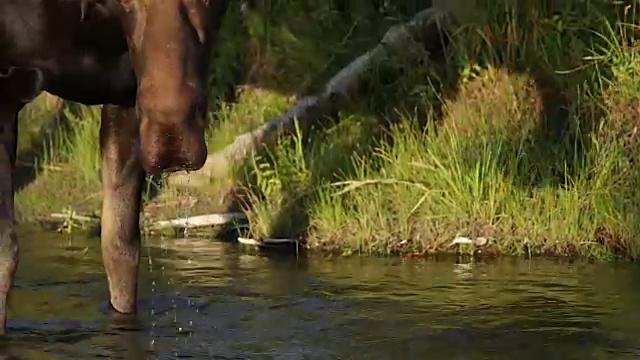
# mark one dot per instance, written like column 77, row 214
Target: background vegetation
column 525, row 133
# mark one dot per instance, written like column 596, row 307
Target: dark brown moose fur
column 147, row 62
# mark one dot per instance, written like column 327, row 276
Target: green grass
column 531, row 140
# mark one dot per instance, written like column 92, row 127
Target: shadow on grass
column 37, row 121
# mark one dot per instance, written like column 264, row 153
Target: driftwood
column 342, row 88
column 65, row 222
column 199, row 221
column 75, row 217
column 191, row 222
column 267, row 242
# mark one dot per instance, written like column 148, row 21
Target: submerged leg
column 122, row 179
column 8, row 240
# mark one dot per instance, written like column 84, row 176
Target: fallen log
column 267, row 241
column 75, row 217
column 191, row 222
column 425, row 28
column 199, row 221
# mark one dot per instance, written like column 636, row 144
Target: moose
column 146, row 62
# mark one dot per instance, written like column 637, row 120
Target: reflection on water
column 205, row 300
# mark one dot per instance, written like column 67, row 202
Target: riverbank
column 530, row 143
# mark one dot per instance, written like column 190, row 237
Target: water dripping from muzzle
column 152, row 303
column 184, row 211
column 187, row 212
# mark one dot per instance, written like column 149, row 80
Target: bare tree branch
column 427, row 26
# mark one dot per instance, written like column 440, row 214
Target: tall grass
column 77, row 142
column 530, row 135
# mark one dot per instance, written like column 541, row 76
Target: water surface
column 207, row 300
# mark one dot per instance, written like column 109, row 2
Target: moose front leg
column 122, row 179
column 8, row 240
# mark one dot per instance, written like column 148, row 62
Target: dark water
column 206, row 300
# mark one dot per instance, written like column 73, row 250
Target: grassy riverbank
column 536, row 118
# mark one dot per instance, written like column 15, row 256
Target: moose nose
column 172, row 134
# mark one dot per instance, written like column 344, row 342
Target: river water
column 207, row 300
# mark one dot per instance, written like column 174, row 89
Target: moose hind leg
column 8, row 239
column 122, row 179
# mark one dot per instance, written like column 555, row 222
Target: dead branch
column 191, row 222
column 199, row 221
column 427, row 26
column 75, row 217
